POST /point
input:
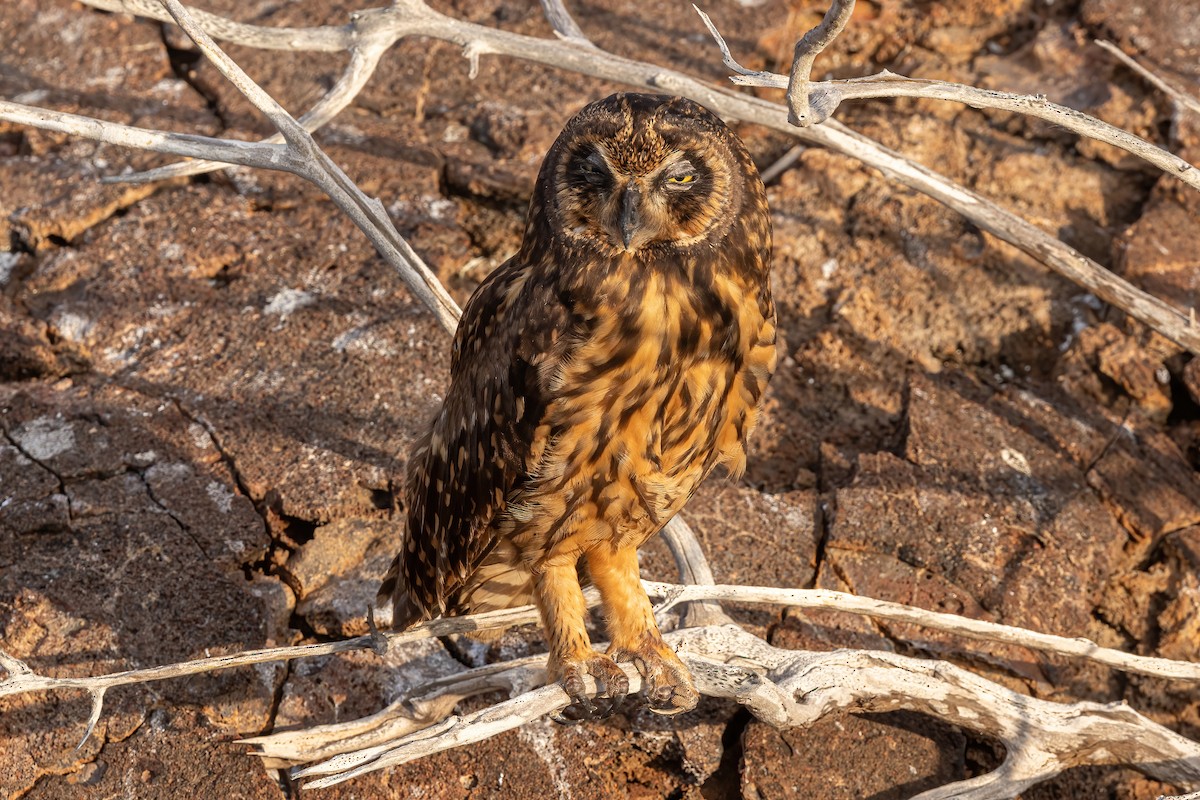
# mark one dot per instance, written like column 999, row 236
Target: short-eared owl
column 597, row 377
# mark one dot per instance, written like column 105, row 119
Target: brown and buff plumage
column 597, row 377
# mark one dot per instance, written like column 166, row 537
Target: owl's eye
column 681, row 175
column 593, row 170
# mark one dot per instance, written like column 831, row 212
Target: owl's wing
column 481, row 445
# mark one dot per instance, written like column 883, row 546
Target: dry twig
column 1183, row 99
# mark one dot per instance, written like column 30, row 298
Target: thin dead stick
column 783, row 163
column 1182, row 98
column 801, row 111
column 693, row 569
column 887, row 84
column 22, row 680
column 364, row 58
column 966, row 627
column 323, row 39
column 563, row 23
column 309, row 161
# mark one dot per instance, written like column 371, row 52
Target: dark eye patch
column 589, row 169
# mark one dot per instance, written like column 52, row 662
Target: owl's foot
column 666, row 682
column 612, row 685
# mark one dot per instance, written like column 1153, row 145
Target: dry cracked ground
column 207, row 391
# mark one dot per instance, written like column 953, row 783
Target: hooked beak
column 631, row 214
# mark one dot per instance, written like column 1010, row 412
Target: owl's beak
column 631, row 214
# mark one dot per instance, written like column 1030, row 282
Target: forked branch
column 414, row 18
column 783, row 688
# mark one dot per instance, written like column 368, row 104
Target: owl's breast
column 659, row 392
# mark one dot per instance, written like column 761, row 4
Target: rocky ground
column 208, row 388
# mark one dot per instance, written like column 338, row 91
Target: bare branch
column 416, row 710
column 24, row 681
column 326, row 39
column 312, row 163
column 563, row 23
column 801, row 111
column 788, row 688
column 230, row 151
column 412, row 17
column 364, row 58
column 1182, row 98
column 1042, row 738
column 887, row 84
column 726, row 56
column 966, row 627
column 15, row 667
column 694, row 570
column 783, row 163
column 93, row 717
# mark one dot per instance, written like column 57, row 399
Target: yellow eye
column 688, row 178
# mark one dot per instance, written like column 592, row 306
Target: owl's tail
column 496, row 585
column 392, row 594
column 501, row 581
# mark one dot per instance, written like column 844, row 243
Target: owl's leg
column 561, row 603
column 634, row 634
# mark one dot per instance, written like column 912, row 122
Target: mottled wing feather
column 478, row 451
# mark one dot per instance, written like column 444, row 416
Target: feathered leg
column 634, row 634
column 560, row 601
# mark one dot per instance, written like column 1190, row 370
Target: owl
column 597, row 377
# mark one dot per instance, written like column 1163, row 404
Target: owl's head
column 637, row 172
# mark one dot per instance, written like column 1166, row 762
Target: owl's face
column 639, row 172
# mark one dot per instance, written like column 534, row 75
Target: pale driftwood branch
column 364, row 58
column 229, row 151
column 783, row 163
column 887, row 84
column 324, row 39
column 420, row 708
column 1180, row 97
column 97, row 696
column 310, row 162
column 801, row 111
column 693, row 569
column 563, row 23
column 22, row 680
column 784, row 688
column 413, row 17
column 965, row 627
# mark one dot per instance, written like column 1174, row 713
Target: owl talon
column 666, row 683
column 612, row 686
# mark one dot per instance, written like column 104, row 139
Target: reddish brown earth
column 207, row 391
